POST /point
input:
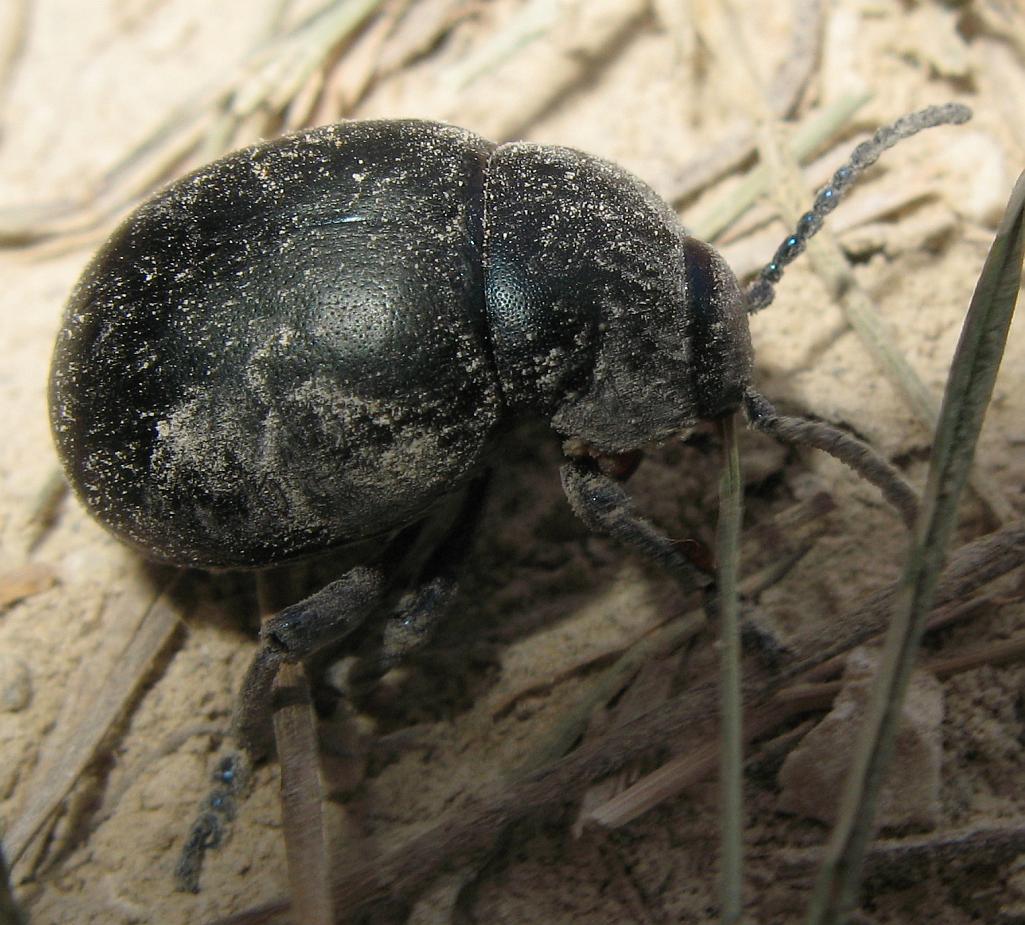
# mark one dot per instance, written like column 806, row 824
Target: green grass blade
column 968, row 392
column 731, row 498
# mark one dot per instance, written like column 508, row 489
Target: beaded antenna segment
column 762, row 291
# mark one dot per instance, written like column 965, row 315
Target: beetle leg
column 605, row 507
column 864, row 460
column 414, row 621
column 417, row 615
column 209, row 829
column 293, row 635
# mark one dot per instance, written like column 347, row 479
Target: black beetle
column 315, row 340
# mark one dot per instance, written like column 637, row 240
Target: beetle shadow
column 535, row 566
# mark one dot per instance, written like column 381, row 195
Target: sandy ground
column 651, row 87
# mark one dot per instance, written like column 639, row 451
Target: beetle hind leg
column 417, row 615
column 293, row 635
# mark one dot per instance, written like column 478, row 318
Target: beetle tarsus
column 232, row 777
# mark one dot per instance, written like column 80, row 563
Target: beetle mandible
column 315, row 340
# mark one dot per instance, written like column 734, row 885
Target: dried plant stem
column 804, row 519
column 800, row 697
column 263, row 84
column 982, row 845
column 788, row 84
column 14, row 23
column 45, row 506
column 301, row 797
column 759, row 181
column 295, row 736
column 731, row 783
column 945, row 615
column 572, row 724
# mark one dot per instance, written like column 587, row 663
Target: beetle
column 317, row 340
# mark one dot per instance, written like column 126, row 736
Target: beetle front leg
column 605, row 507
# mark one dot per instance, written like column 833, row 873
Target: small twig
column 24, row 581
column 264, row 82
column 681, row 772
column 13, row 34
column 573, row 722
column 535, row 20
column 788, row 84
column 979, row 845
column 800, row 697
column 555, row 69
column 941, row 617
column 803, row 697
column 806, row 141
column 666, row 638
column 44, row 509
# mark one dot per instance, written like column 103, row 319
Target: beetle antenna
column 762, row 291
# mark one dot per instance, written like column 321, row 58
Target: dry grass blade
column 982, row 845
column 791, row 536
column 969, row 388
column 73, row 743
column 731, row 784
column 806, row 141
column 788, row 85
column 45, row 507
column 534, row 21
column 14, row 22
column 799, row 697
column 572, row 724
column 25, row 581
column 295, row 737
column 301, row 797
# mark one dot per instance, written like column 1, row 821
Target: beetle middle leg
column 293, row 635
column 602, row 503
